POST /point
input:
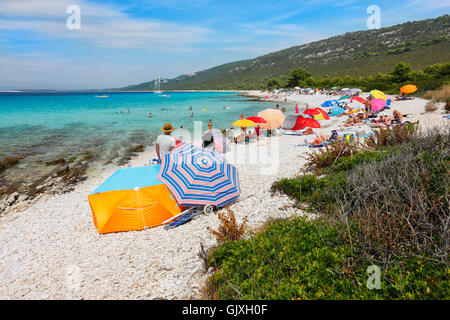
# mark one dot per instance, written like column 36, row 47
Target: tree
column 401, row 73
column 298, row 77
column 273, row 83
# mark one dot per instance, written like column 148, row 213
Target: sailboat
column 157, row 88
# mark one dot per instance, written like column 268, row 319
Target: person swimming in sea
column 192, row 115
column 150, row 115
column 190, row 108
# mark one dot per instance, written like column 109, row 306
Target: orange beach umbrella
column 132, row 199
column 410, row 88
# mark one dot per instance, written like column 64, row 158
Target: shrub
column 229, row 228
column 398, row 198
column 329, row 155
column 391, row 137
column 441, row 94
column 312, row 190
column 297, row 259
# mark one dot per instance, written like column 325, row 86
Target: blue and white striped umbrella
column 197, row 176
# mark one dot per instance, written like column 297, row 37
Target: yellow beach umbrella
column 377, row 94
column 410, row 88
column 244, row 123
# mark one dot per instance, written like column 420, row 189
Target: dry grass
column 391, row 137
column 442, row 94
column 229, row 228
column 329, row 155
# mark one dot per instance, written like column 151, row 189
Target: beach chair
column 187, row 216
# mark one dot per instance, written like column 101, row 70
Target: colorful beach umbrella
column 198, row 177
column 378, row 104
column 329, row 103
column 322, row 115
column 310, row 123
column 275, row 119
column 132, row 199
column 408, row 89
column 257, row 119
column 244, row 123
column 311, row 112
column 359, row 99
column 343, row 98
column 377, row 94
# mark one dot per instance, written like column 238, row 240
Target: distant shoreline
column 118, row 91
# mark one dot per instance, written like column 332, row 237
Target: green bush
column 297, row 259
column 312, row 190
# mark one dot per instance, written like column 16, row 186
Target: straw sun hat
column 167, row 128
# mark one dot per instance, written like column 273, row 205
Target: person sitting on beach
column 398, row 117
column 165, row 143
column 368, row 105
column 243, row 137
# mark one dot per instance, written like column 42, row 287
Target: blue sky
column 124, row 42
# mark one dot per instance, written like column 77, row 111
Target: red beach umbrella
column 359, row 99
column 257, row 119
column 311, row 112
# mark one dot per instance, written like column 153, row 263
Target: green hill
column 362, row 53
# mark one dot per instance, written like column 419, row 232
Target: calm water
column 45, row 127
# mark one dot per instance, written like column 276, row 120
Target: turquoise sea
column 44, row 127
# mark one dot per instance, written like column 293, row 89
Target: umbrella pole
column 140, row 205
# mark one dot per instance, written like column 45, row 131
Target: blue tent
column 337, row 111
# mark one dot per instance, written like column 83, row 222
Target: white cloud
column 101, row 25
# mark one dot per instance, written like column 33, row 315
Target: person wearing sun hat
column 165, row 143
